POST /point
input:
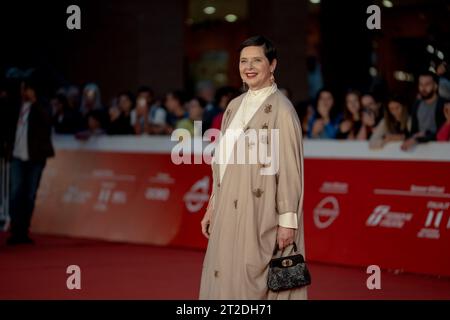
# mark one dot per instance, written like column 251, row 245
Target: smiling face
column 396, row 109
column 255, row 68
column 325, row 103
column 352, row 103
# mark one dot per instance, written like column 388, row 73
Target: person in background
column 156, row 114
column 369, row 102
column 96, row 123
column 444, row 82
column 9, row 102
column 368, row 123
column 157, row 118
column 126, row 104
column 73, row 97
column 395, row 126
column 223, row 96
column 29, row 147
column 305, row 112
column 119, row 115
column 444, row 132
column 195, row 109
column 206, row 91
column 323, row 124
column 65, row 119
column 427, row 112
column 351, row 124
column 175, row 105
column 139, row 117
column 90, row 100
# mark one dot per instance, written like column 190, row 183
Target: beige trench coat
column 245, row 208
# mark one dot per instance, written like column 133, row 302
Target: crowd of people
column 140, row 113
column 367, row 117
column 364, row 116
column 360, row 116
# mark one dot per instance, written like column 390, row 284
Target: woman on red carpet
column 251, row 212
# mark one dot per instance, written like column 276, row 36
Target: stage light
column 314, row 1
column 231, row 17
column 430, row 48
column 388, row 4
column 440, row 54
column 209, row 10
column 403, row 76
column 373, row 71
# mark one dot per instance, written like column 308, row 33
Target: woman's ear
column 273, row 65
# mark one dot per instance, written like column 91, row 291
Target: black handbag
column 288, row 272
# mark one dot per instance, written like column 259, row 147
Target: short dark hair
column 260, row 41
column 178, row 95
column 32, row 82
column 63, row 100
column 398, row 98
column 224, row 91
column 428, row 73
column 202, row 102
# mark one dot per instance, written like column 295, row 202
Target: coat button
column 216, row 273
column 235, row 204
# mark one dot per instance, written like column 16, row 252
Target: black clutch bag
column 288, row 272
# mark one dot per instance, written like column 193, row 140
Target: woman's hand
column 346, row 126
column 206, row 222
column 285, row 237
column 408, row 144
column 394, row 137
column 318, row 127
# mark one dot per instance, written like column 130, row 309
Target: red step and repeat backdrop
column 390, row 212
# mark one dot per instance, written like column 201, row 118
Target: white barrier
column 327, row 149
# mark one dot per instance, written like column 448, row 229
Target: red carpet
column 128, row 271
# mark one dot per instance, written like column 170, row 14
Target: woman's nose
column 250, row 65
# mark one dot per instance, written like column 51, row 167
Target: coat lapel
column 265, row 108
column 231, row 111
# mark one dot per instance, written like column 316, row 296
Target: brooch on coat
column 268, row 108
column 264, row 137
column 258, row 192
